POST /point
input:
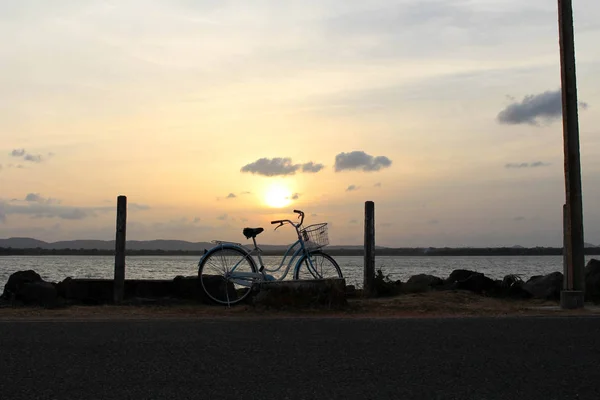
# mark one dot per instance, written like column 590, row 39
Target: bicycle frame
column 247, row 278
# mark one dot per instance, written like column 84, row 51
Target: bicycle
column 228, row 271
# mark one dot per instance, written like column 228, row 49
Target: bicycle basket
column 315, row 236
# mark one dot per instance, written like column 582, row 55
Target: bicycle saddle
column 252, row 232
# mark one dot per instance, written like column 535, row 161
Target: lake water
column 57, row 268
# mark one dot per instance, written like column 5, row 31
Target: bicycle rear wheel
column 221, row 274
column 320, row 266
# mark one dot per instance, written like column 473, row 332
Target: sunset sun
column 277, row 196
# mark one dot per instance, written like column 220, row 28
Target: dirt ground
column 423, row 305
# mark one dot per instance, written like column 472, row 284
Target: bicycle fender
column 223, row 246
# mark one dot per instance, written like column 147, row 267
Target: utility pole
column 573, row 294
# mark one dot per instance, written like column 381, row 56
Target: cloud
column 526, row 165
column 17, row 153
column 271, row 167
column 36, row 158
column 533, row 108
column 311, row 167
column 37, row 206
column 38, row 198
column 46, row 210
column 279, row 166
column 231, row 196
column 359, row 160
column 352, row 188
column 222, row 217
column 33, row 158
column 33, row 197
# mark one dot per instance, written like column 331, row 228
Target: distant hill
column 22, row 243
column 589, row 245
column 166, row 245
column 29, row 246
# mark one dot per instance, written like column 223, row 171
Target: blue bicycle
column 228, row 271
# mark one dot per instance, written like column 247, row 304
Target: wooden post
column 566, row 271
column 119, row 282
column 369, row 267
column 572, row 296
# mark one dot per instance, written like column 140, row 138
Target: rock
column 421, row 283
column 17, row 280
column 459, row 275
column 592, row 280
column 190, row 287
column 28, row 288
column 384, row 286
column 479, row 283
column 86, row 291
column 314, row 293
column 38, row 293
column 545, row 287
column 511, row 280
column 215, row 284
column 351, row 291
column 512, row 286
column 148, row 288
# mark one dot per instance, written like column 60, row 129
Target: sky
column 211, row 116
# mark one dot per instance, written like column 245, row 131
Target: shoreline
column 333, row 251
column 447, row 304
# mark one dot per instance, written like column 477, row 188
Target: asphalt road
column 484, row 358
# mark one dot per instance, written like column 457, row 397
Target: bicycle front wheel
column 317, row 265
column 226, row 275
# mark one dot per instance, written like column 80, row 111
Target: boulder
column 351, row 291
column 511, row 280
column 421, row 283
column 313, row 293
column 38, row 294
column 28, row 288
column 147, row 288
column 215, row 285
column 479, row 283
column 190, row 288
column 384, row 286
column 86, row 291
column 17, row 280
column 545, row 287
column 512, row 286
column 592, row 280
column 459, row 275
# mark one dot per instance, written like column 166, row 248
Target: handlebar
column 301, row 216
column 283, row 221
